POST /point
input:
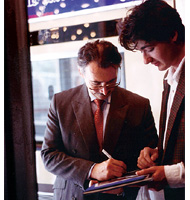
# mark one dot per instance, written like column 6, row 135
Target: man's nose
column 147, row 58
column 104, row 90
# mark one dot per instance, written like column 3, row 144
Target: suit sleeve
column 138, row 132
column 146, row 134
column 54, row 155
column 149, row 137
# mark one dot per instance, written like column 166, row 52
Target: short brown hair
column 153, row 20
column 103, row 52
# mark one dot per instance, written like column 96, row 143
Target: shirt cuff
column 175, row 175
column 90, row 171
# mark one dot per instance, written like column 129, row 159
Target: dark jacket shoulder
column 129, row 97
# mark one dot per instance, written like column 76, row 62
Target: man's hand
column 158, row 175
column 108, row 169
column 147, row 157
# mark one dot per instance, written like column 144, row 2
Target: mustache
column 101, row 94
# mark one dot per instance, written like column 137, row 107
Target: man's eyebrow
column 112, row 80
column 95, row 82
column 106, row 82
column 144, row 47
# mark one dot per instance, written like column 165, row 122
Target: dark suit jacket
column 70, row 144
column 175, row 136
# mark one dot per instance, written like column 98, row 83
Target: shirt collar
column 174, row 75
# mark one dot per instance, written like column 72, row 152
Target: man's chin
column 161, row 68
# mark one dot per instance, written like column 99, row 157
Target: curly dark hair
column 103, row 52
column 153, row 20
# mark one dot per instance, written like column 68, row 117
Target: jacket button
column 74, row 151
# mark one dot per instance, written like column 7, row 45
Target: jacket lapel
column 84, row 116
column 180, row 94
column 115, row 121
column 162, row 123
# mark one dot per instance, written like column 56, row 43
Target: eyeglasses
column 108, row 86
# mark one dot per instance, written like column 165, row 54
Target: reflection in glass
column 74, row 33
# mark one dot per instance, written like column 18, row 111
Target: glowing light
column 86, row 25
column 85, row 38
column 54, row 33
column 64, row 29
column 73, row 37
column 41, row 42
column 38, row 13
column 79, row 31
column 63, row 5
column 54, row 29
column 45, row 2
column 42, row 8
column 93, row 34
column 122, row 0
column 96, row 1
column 85, row 5
column 56, row 11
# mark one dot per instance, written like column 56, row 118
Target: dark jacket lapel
column 115, row 120
column 162, row 123
column 84, row 116
column 180, row 94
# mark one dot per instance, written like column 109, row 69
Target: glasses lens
column 108, row 86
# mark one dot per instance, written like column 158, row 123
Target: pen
column 106, row 153
column 109, row 156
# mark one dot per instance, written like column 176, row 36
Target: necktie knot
column 98, row 102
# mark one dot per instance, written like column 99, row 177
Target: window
column 55, row 38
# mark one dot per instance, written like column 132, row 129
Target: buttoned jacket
column 70, row 144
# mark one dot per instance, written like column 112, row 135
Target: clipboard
column 127, row 180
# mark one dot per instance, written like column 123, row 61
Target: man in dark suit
column 72, row 149
column 156, row 29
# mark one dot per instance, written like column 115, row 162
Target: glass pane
column 55, row 41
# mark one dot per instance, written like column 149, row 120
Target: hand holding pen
column 109, row 156
column 108, row 169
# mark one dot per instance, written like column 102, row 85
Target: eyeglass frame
column 99, row 87
column 108, row 85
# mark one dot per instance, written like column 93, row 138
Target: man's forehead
column 142, row 44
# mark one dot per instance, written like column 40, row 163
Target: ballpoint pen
column 106, row 153
column 127, row 173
